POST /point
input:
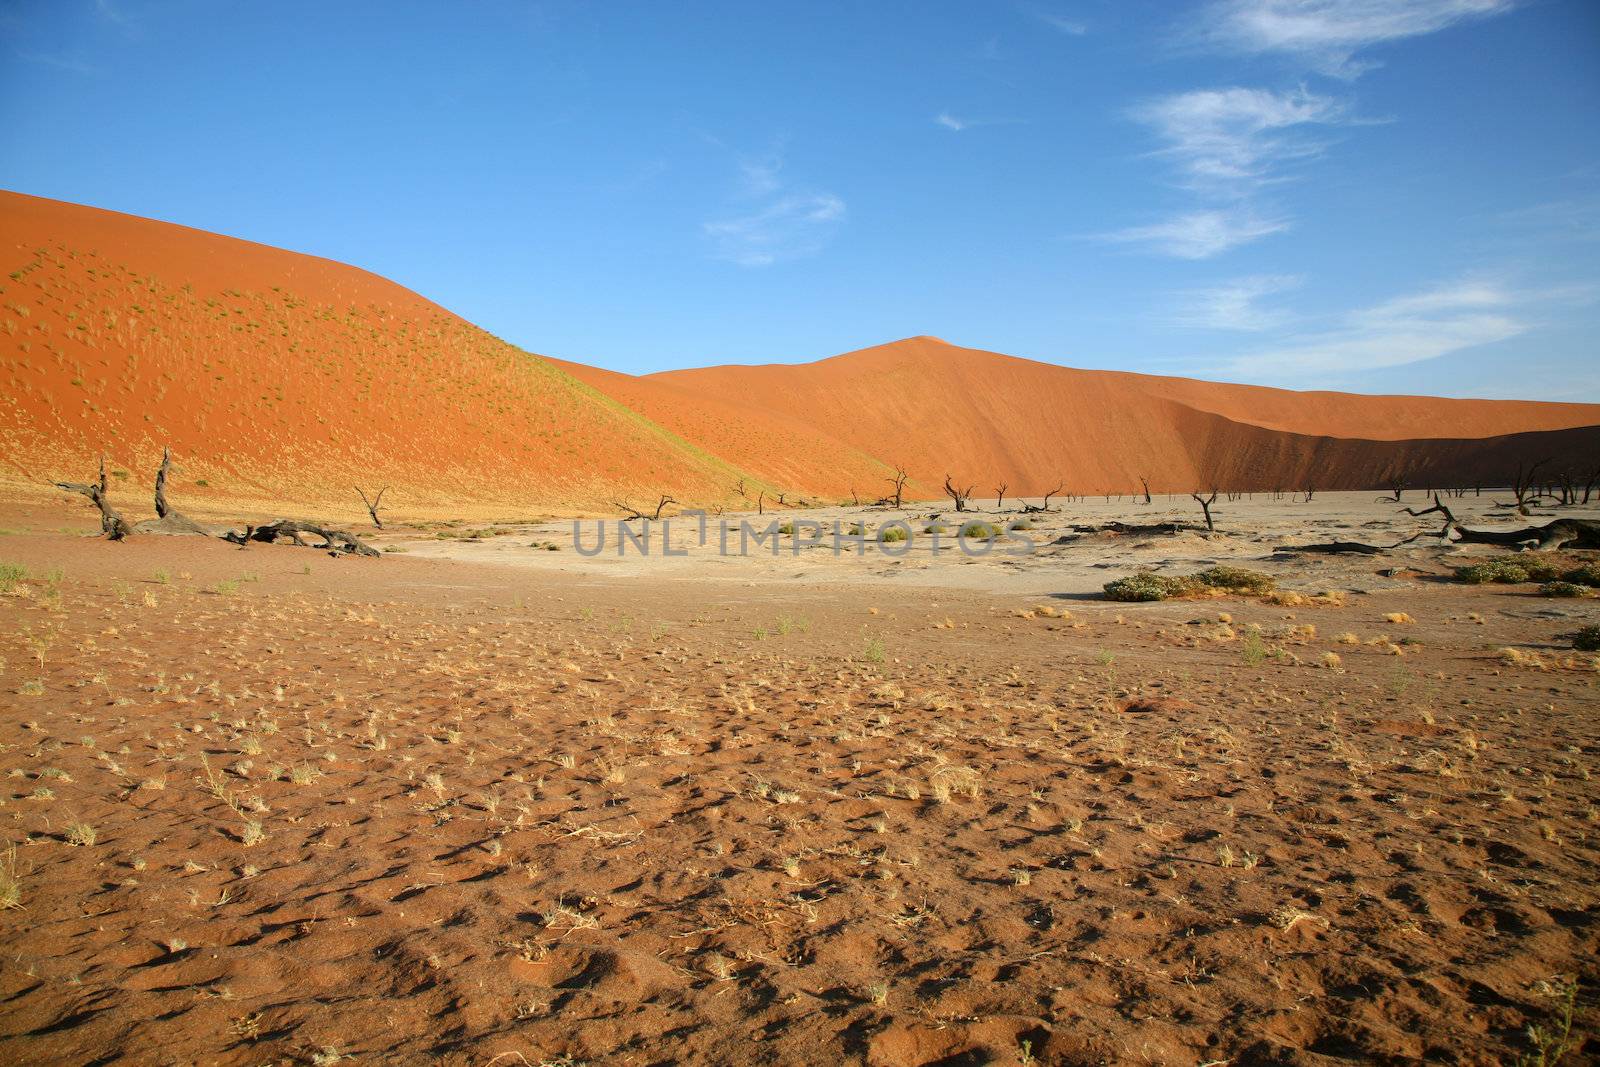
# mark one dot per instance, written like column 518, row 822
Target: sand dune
column 282, row 380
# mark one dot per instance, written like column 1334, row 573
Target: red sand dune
column 281, row 380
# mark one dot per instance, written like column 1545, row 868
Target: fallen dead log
column 336, row 542
column 113, row 525
column 1128, row 529
column 1562, row 533
column 1337, row 547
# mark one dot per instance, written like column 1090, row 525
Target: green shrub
column 982, row 531
column 893, row 533
column 1236, row 580
column 1499, row 571
column 1145, row 587
column 856, row 529
column 787, row 529
column 935, row 527
column 1587, row 639
column 1563, row 589
column 10, row 575
column 1022, row 524
column 1588, row 574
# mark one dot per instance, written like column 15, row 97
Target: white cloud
column 1406, row 329
column 1235, row 304
column 787, row 228
column 1201, row 234
column 1228, row 140
column 1061, row 23
column 1328, row 33
column 950, row 122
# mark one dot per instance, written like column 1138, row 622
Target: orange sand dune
column 988, row 419
column 282, row 380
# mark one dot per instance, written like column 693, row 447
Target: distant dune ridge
column 281, row 381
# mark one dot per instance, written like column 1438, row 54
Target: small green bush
column 935, row 527
column 1499, row 571
column 893, row 533
column 1587, row 639
column 787, row 529
column 1236, row 580
column 1022, row 524
column 982, row 531
column 1145, row 587
column 1563, row 589
column 1588, row 574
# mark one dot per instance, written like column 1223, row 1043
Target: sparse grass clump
column 1564, row 589
column 981, row 531
column 893, row 533
column 11, row 574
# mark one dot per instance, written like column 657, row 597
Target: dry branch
column 114, row 526
column 336, row 542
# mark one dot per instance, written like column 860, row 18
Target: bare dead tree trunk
column 372, row 505
column 114, row 526
column 168, row 519
column 1205, row 503
column 663, row 502
column 855, row 501
column 1000, row 495
column 1523, row 484
column 337, row 542
column 899, row 481
column 761, row 502
column 1146, row 483
column 957, row 495
column 738, row 487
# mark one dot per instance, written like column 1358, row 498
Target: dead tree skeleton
column 899, row 482
column 113, row 525
column 1205, row 503
column 957, row 495
column 372, row 505
column 337, row 542
column 1000, row 495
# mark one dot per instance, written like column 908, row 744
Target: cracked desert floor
column 482, row 802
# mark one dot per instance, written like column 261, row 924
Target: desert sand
column 477, row 801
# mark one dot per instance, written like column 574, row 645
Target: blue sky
column 1379, row 195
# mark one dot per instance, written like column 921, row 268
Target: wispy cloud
column 1406, row 329
column 788, row 228
column 1236, row 304
column 1055, row 20
column 1228, row 140
column 1201, row 234
column 769, row 219
column 957, row 123
column 1327, row 34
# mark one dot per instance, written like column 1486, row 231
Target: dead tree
column 855, row 501
column 1205, row 503
column 168, row 519
column 1589, row 481
column 1398, row 487
column 372, row 505
column 1522, row 485
column 738, row 487
column 336, row 542
column 899, row 483
column 1146, row 483
column 635, row 513
column 1032, row 510
column 114, row 526
column 1310, row 491
column 957, row 495
column 1000, row 495
column 1575, row 533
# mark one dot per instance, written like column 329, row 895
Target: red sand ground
column 269, row 807
column 282, row 380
